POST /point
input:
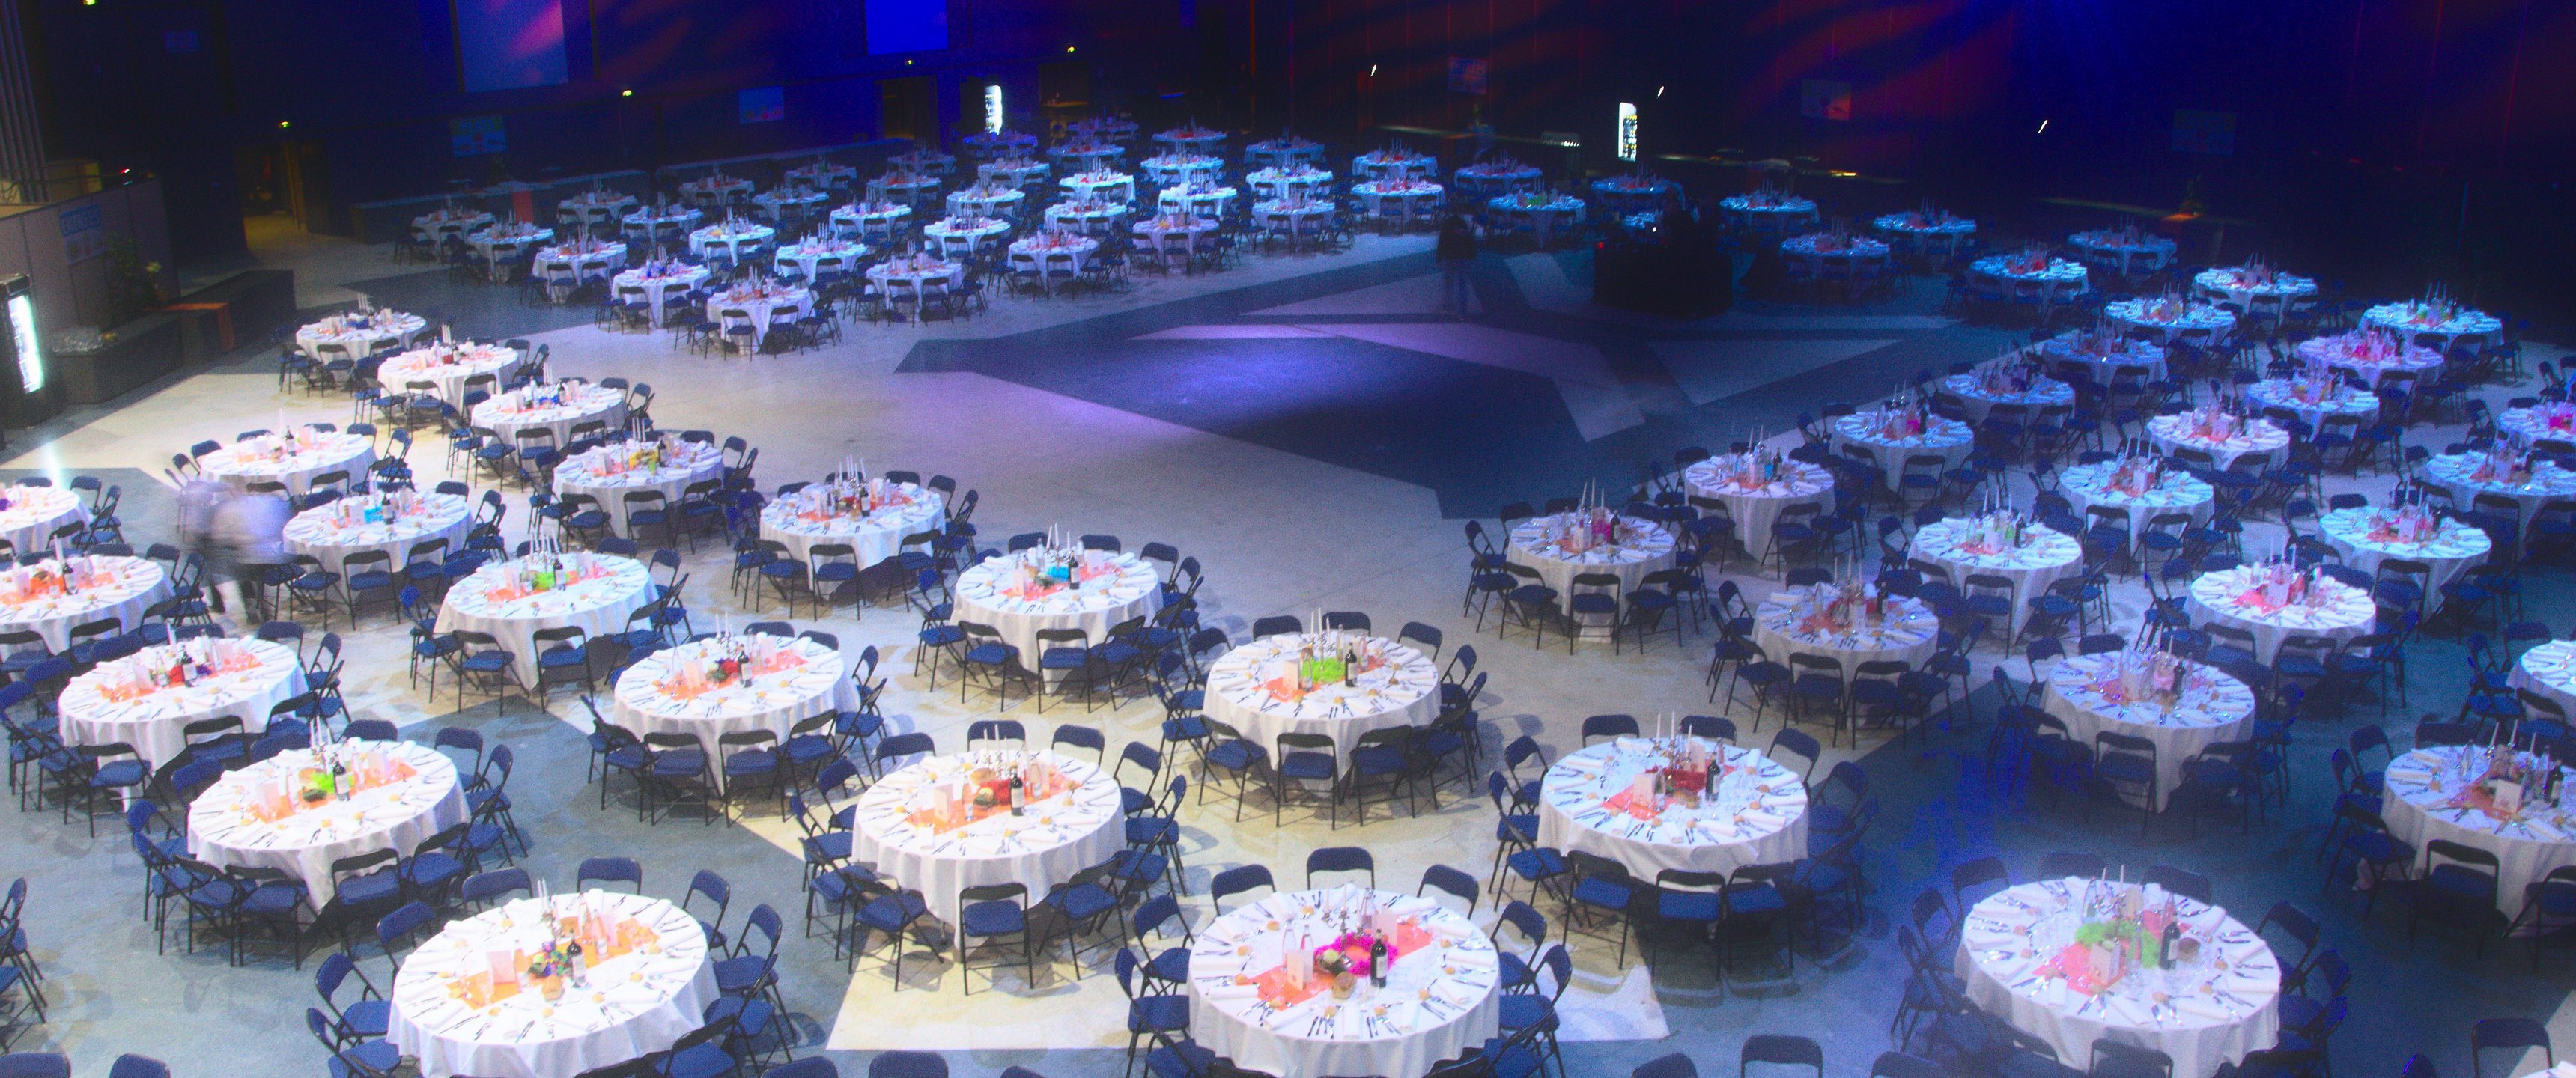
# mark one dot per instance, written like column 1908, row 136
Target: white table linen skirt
column 599, row 607
column 1088, row 828
column 304, row 845
column 156, row 725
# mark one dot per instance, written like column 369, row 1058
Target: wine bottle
column 1019, row 794
column 1377, row 961
column 2165, row 948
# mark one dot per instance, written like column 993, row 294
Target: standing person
column 250, row 533
column 1455, row 252
column 199, row 498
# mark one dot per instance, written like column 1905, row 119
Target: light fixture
column 282, row 123
column 625, row 93
column 1659, row 91
column 1068, row 48
column 2043, row 128
column 1372, row 70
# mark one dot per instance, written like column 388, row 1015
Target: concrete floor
column 1244, row 417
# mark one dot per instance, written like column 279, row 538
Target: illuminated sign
column 992, row 108
column 1627, row 131
column 22, row 325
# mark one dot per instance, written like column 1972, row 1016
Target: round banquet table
column 2045, row 557
column 2415, row 319
column 638, row 1001
column 660, row 289
column 2345, row 612
column 651, row 222
column 807, row 258
column 861, row 217
column 2212, row 707
column 1755, row 506
column 2105, row 354
column 2231, row 284
column 243, row 463
column 1100, row 183
column 410, row 792
column 917, row 272
column 1777, row 214
column 1277, row 215
column 2176, row 491
column 767, row 305
column 718, row 189
column 960, row 234
column 594, row 207
column 1195, row 198
column 1548, row 215
column 1253, row 689
column 897, row 827
column 1053, row 255
column 1440, row 999
column 729, row 238
column 2339, row 399
column 780, row 205
column 583, row 402
column 1272, row 183
column 1634, row 192
column 1283, row 151
column 1093, row 218
column 1003, row 143
column 2217, row 1008
column 1587, row 803
column 1942, row 233
column 260, row 674
column 604, row 474
column 613, row 588
column 2058, row 280
column 1191, row 139
column 1538, row 543
column 2548, row 670
column 359, row 334
column 1409, row 195
column 1078, row 157
column 1979, row 402
column 503, row 247
column 2424, row 802
column 801, row 520
column 2167, row 321
column 800, row 679
column 2452, row 549
column 1015, row 172
column 452, row 221
column 447, row 366
column 30, row 515
column 910, row 189
column 2172, row 432
column 1819, row 247
column 986, row 201
column 1943, row 437
column 1496, row 176
column 2550, row 420
column 322, row 531
column 2460, row 473
column 1910, row 633
column 1129, row 588
column 1172, row 168
column 1392, row 165
column 2129, row 252
column 2373, row 356
column 1166, row 233
column 822, row 174
column 924, row 160
column 120, row 587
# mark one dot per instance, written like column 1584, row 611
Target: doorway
column 290, row 179
column 905, row 110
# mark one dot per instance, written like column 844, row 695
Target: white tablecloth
column 1439, row 1001
column 806, row 258
column 1013, row 172
column 1050, row 840
column 2414, row 319
column 1909, row 634
column 1948, row 439
column 2104, row 355
column 2458, row 472
column 2453, row 548
column 2130, row 252
column 874, row 536
column 590, row 473
column 242, row 463
column 1759, row 816
column 1297, row 220
column 595, row 207
column 599, row 605
column 1644, row 547
column 1978, row 401
column 2552, row 420
column 1756, row 508
column 358, row 333
column 1404, row 692
column 582, row 403
column 661, row 288
column 456, row 222
column 1164, row 234
column 2231, row 284
column 33, row 513
column 2212, row 707
column 1203, row 200
column 1130, row 589
column 1093, row 218
column 1775, row 214
column 2255, row 435
column 1103, row 183
column 959, row 234
column 636, row 1003
column 155, row 723
column 986, row 201
column 860, row 217
column 2176, row 491
column 767, row 305
column 1081, row 156
column 822, row 174
column 1546, row 214
column 2045, row 557
column 2419, row 808
column 503, row 247
column 2165, row 321
column 2548, row 670
column 670, row 220
column 729, row 238
column 715, row 188
column 1055, row 254
column 806, row 680
column 778, row 204
column 447, row 366
column 1935, row 233
column 1382, row 164
column 123, row 588
column 320, row 531
column 2312, row 404
column 225, row 829
column 2344, row 613
column 1271, row 183
column 1168, row 169
column 1411, row 197
column 2371, row 354
column 2006, row 936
